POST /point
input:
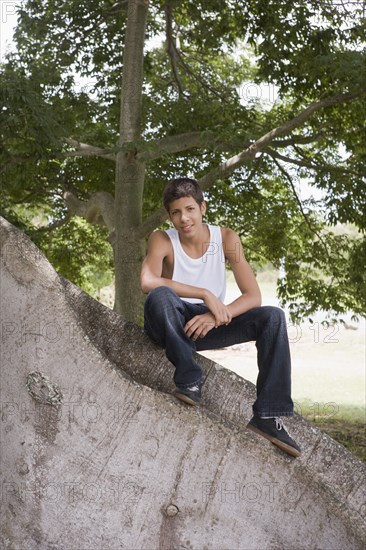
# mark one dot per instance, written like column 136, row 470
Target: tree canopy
column 104, row 102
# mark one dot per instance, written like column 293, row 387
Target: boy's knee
column 160, row 293
column 273, row 314
column 160, row 297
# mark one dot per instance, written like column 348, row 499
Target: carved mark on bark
column 43, row 390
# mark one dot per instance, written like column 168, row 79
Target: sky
column 8, row 21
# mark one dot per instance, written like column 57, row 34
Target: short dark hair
column 182, row 187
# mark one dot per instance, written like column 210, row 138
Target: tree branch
column 174, row 144
column 117, row 7
column 85, row 150
column 171, row 46
column 298, row 200
column 304, row 116
column 155, row 149
column 226, row 168
column 99, row 209
column 198, row 78
column 296, row 140
column 176, row 56
column 309, row 164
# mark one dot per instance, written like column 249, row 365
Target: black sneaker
column 190, row 395
column 274, row 430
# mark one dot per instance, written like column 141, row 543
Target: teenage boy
column 184, row 277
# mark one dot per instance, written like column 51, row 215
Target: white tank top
column 208, row 271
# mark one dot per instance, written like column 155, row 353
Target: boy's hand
column 220, row 312
column 200, row 325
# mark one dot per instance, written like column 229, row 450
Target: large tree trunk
column 130, row 171
column 96, row 453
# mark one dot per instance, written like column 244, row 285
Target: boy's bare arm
column 151, row 277
column 243, row 273
column 152, row 269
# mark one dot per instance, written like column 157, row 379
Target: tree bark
column 110, row 409
column 130, row 171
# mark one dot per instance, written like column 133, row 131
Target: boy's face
column 186, row 215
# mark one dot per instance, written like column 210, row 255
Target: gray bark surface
column 129, row 249
column 96, row 453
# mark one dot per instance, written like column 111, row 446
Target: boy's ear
column 203, row 208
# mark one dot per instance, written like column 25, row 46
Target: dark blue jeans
column 165, row 317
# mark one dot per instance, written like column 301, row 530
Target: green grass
column 345, row 424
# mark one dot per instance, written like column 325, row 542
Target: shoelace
column 280, row 426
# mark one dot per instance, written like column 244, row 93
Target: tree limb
column 85, row 150
column 117, row 7
column 198, row 78
column 171, row 46
column 174, row 144
column 149, row 150
column 176, row 56
column 99, row 209
column 309, row 164
column 303, row 213
column 304, row 116
column 226, row 168
column 296, row 140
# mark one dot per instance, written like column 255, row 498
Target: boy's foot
column 274, row 430
column 190, row 394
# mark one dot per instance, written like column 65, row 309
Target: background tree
column 104, row 103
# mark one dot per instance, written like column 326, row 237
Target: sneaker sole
column 186, row 399
column 283, row 446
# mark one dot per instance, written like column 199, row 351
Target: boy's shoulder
column 158, row 238
column 159, row 235
column 159, row 243
column 228, row 233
